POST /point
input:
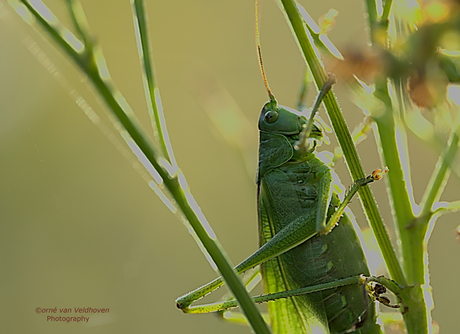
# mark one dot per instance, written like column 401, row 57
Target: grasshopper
column 306, row 239
column 310, row 257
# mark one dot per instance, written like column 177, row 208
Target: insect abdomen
column 328, row 258
column 290, row 193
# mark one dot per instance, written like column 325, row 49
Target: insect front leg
column 325, row 197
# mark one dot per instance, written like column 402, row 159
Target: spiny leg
column 225, row 305
column 374, row 290
column 375, row 176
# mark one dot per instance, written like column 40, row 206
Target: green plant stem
column 151, row 89
column 80, row 22
column 371, row 9
column 386, row 11
column 400, row 197
column 416, row 318
column 55, row 32
column 413, row 245
column 412, row 240
column 90, row 63
column 440, row 175
column 179, row 194
column 345, row 141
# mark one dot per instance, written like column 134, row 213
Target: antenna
column 259, row 53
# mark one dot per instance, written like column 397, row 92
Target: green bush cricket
column 310, row 256
column 295, row 198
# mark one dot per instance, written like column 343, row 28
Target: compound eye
column 271, row 116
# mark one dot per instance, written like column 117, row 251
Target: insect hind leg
column 373, row 289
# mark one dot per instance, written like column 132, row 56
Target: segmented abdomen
column 319, row 260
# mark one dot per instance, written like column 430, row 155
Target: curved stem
column 92, row 63
column 345, row 141
column 152, row 92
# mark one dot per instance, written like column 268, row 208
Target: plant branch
column 92, row 64
column 440, row 174
column 152, row 92
column 345, row 140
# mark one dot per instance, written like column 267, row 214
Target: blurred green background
column 81, row 228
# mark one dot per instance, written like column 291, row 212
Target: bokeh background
column 79, row 225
